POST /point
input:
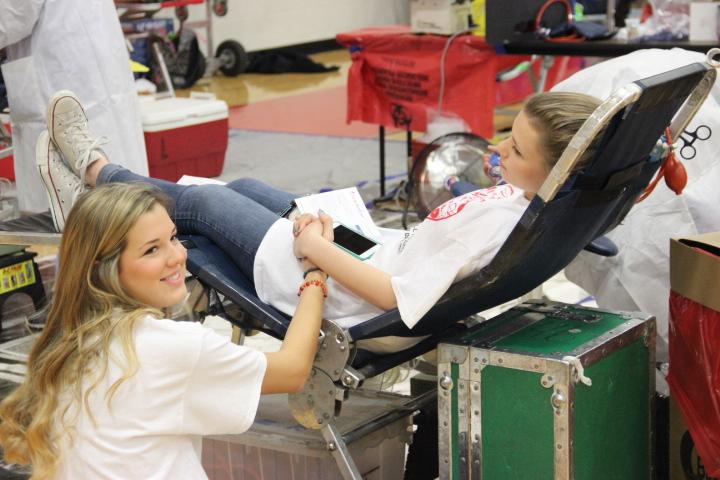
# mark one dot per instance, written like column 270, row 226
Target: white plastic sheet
column 637, row 278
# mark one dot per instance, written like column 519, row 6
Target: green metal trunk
column 512, row 403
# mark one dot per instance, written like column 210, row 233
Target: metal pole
column 382, row 160
column 410, row 159
column 208, row 13
column 165, row 74
column 610, row 19
column 337, row 447
column 547, row 63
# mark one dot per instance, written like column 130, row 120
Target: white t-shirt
column 191, row 382
column 456, row 239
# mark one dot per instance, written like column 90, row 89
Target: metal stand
column 138, row 10
column 170, row 92
column 213, row 64
column 131, row 10
column 547, row 63
column 381, row 141
column 337, row 447
column 317, row 405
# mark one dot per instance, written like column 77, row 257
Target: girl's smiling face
column 522, row 161
column 152, row 266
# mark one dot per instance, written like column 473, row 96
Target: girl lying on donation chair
column 410, row 271
column 113, row 390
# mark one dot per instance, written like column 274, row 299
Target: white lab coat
column 638, row 277
column 75, row 45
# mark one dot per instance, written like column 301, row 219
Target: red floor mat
column 315, row 113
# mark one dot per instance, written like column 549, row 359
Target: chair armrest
column 602, row 246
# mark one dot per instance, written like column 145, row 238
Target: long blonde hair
column 89, row 310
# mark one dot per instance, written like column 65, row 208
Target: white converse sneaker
column 68, row 127
column 62, row 185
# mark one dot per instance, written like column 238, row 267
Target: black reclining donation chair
column 569, row 212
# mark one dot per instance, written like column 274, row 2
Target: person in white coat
column 75, row 44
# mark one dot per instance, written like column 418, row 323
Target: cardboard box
column 695, row 268
column 548, row 390
column 185, row 136
column 443, row 17
column 694, row 335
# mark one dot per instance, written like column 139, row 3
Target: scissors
column 688, row 151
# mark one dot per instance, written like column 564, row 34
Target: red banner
column 396, row 78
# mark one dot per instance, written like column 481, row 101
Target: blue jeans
column 235, row 216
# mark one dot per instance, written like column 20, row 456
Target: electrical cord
column 441, row 98
column 443, row 56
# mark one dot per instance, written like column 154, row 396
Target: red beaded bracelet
column 317, row 283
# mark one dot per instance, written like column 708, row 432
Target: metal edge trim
column 444, row 421
column 582, row 139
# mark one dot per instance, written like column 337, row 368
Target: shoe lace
column 80, row 140
column 68, row 178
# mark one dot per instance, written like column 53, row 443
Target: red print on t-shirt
column 454, row 206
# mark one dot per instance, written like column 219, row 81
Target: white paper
column 344, row 206
column 190, row 180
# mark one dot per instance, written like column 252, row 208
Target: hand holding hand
column 327, row 223
column 304, row 227
column 302, row 221
column 308, row 229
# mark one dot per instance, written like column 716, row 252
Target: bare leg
column 93, row 170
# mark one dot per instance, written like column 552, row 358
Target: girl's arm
column 288, row 369
column 369, row 283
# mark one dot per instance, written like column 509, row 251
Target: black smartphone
column 353, row 242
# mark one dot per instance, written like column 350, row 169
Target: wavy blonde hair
column 90, row 309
